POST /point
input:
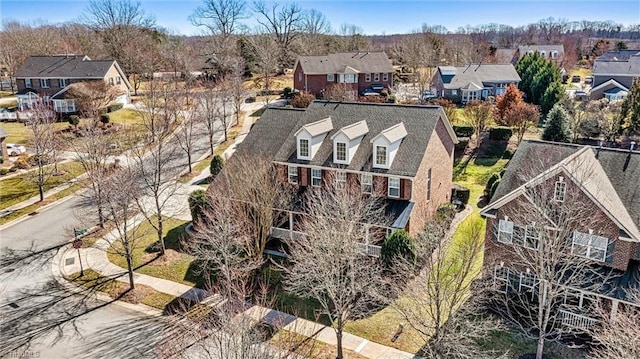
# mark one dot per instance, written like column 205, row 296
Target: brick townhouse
column 401, row 152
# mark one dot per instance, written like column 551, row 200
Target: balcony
column 576, row 321
column 282, row 233
column 370, row 249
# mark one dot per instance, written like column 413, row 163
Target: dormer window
column 310, row 136
column 303, row 148
column 381, row 156
column 341, row 152
column 560, row 190
column 554, row 54
column 543, row 53
column 386, row 145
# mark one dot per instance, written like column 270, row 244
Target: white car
column 14, row 150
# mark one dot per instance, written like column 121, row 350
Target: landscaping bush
column 460, row 193
column 495, row 150
column 287, row 93
column 302, row 100
column 104, row 119
column 13, row 169
column 22, row 162
column 507, row 155
column 398, row 244
column 463, row 131
column 493, row 189
column 462, row 144
column 494, row 177
column 445, row 213
column 4, row 171
column 217, row 162
column 500, row 133
column 74, row 120
column 391, row 99
column 115, row 107
column 197, row 200
column 35, row 159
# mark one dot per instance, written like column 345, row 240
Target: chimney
column 633, row 144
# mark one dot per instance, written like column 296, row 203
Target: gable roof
column 546, row 48
column 625, row 62
column 610, row 181
column 609, row 83
column 353, row 131
column 66, row 67
column 392, row 134
column 273, row 135
column 346, row 62
column 477, row 74
column 317, row 128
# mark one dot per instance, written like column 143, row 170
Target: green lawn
column 6, row 94
column 20, row 134
column 20, row 188
column 174, row 266
column 34, row 207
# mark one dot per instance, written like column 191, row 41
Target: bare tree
column 541, row 262
column 442, row 304
column 188, row 130
column 223, row 94
column 328, row 265
column 236, row 85
column 617, row 337
column 284, row 22
column 266, row 57
column 478, row 115
column 607, row 116
column 43, row 143
column 206, row 113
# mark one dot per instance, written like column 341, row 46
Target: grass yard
column 34, row 207
column 20, row 134
column 174, row 265
column 6, row 94
column 308, row 347
column 120, row 290
column 19, row 188
column 126, row 117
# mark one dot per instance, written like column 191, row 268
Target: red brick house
column 48, row 78
column 606, row 207
column 401, row 152
column 353, row 72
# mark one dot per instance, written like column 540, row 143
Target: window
column 316, row 177
column 367, row 77
column 381, row 155
column 385, row 77
column 590, row 245
column 293, row 174
column 531, row 237
column 376, row 77
column 454, row 92
column 366, row 181
column 44, row 83
column 429, row 184
column 501, row 279
column 560, row 191
column 118, row 80
column 304, row 148
column 543, row 53
column 330, row 78
column 394, row 187
column 554, row 54
column 299, row 76
column 111, row 81
column 341, row 151
column 62, row 83
column 527, row 283
column 27, row 83
column 340, row 180
column 505, row 231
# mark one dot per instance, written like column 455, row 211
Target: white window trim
column 531, row 282
column 319, row 178
column 506, row 227
column 292, row 174
column 118, row 80
column 111, row 81
column 300, row 154
column 454, row 92
column 28, row 83
column 386, row 156
column 366, row 180
column 501, row 278
column 346, row 153
column 389, row 187
column 385, row 77
column 340, row 180
column 560, row 191
column 44, row 83
column 376, row 76
column 367, row 77
column 429, row 185
column 331, row 78
column 63, row 83
column 534, row 239
column 590, row 245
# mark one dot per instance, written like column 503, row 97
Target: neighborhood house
column 403, row 153
column 48, row 78
column 473, row 82
column 613, row 74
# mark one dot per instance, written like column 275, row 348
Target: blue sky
column 373, row 16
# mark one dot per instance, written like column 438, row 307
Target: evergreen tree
column 556, row 127
column 630, row 111
column 540, row 81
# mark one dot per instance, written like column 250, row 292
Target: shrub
column 398, row 244
column 4, row 171
column 303, row 100
column 287, row 92
column 22, row 162
column 463, row 130
column 507, row 155
column 446, row 213
column 461, row 193
column 115, row 107
column 74, row 120
column 391, row 99
column 493, row 189
column 462, row 144
column 104, row 119
column 217, row 162
column 44, row 159
column 500, row 133
column 197, row 200
column 13, row 168
column 494, row 177
column 495, row 150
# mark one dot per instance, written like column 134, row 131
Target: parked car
column 580, row 95
column 15, row 150
column 369, row 92
column 588, row 80
column 428, row 95
column 377, row 87
column 575, row 78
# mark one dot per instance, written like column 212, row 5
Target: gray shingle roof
column 480, row 74
column 349, row 62
column 612, row 65
column 622, row 55
column 63, row 67
column 617, row 177
column 273, row 134
column 546, row 48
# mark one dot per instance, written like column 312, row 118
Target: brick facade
column 316, row 83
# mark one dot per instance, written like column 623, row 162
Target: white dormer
column 385, row 145
column 347, row 140
column 310, row 136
